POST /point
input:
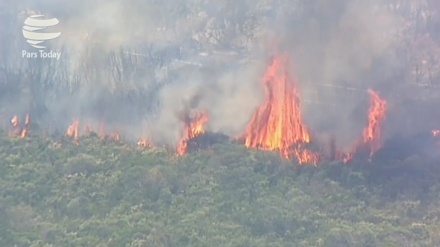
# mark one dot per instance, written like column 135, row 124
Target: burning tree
column 194, row 127
column 278, row 124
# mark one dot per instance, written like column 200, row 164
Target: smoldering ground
column 131, row 64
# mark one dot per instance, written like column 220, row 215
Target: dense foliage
column 110, row 194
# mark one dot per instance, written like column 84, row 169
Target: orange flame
column 25, row 130
column 278, row 124
column 73, row 131
column 372, row 135
column 15, row 122
column 144, row 143
column 376, row 118
column 193, row 129
column 349, row 157
column 19, row 131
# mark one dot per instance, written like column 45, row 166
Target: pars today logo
column 32, row 30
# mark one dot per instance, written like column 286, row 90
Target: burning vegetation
column 73, row 132
column 19, row 130
column 372, row 136
column 143, row 142
column 276, row 125
column 376, row 118
column 194, row 127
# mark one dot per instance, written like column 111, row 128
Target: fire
column 14, row 121
column 193, row 128
column 73, row 131
column 372, row 135
column 376, row 118
column 278, row 124
column 144, row 143
column 22, row 132
column 436, row 133
column 25, row 130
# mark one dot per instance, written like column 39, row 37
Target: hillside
column 115, row 142
column 109, row 194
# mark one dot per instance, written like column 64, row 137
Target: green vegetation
column 109, row 194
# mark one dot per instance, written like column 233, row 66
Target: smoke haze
column 139, row 65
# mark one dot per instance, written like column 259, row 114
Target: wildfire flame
column 193, row 128
column 73, row 131
column 18, row 130
column 144, row 143
column 376, row 118
column 14, row 121
column 436, row 133
column 25, row 130
column 278, row 124
column 372, row 135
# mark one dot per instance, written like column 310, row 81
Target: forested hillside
column 56, row 193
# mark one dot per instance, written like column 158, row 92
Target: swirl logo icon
column 36, row 23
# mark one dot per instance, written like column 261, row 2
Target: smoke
column 229, row 97
column 137, row 65
column 336, row 47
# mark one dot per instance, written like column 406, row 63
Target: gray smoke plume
column 139, row 65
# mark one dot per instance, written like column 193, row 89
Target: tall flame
column 372, row 135
column 278, row 124
column 25, row 130
column 15, row 122
column 19, row 131
column 193, row 128
column 73, row 131
column 376, row 118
